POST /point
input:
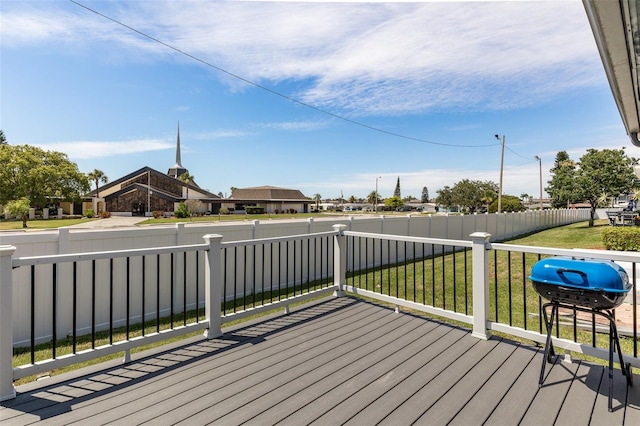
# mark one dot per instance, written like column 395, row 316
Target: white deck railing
column 339, row 258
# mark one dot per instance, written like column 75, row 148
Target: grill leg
column 624, row 367
column 548, row 348
column 614, row 345
column 611, row 348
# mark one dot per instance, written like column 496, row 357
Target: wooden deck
column 340, row 361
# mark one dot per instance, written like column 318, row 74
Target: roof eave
column 612, row 29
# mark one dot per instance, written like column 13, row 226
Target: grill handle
column 562, row 271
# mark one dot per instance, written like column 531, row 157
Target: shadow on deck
column 340, row 361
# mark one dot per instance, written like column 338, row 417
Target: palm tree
column 186, row 178
column 98, row 176
column 318, row 198
column 373, row 197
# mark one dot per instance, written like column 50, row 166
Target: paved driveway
column 112, row 222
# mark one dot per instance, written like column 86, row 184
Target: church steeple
column 176, row 170
column 178, row 162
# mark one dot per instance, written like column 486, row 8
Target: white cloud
column 218, row 134
column 364, row 58
column 87, row 150
column 304, row 126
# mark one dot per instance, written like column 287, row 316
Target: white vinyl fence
column 189, row 267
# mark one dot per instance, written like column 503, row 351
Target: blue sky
column 429, row 84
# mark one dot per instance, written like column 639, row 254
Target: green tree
column 3, row 139
column 394, row 202
column 474, row 194
column 39, row 175
column 186, row 178
column 20, row 209
column 396, row 192
column 510, row 203
column 445, row 197
column 562, row 187
column 424, row 198
column 373, row 197
column 608, row 171
column 353, row 199
column 182, row 211
column 97, row 176
column 317, row 198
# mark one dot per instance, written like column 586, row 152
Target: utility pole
column 501, row 168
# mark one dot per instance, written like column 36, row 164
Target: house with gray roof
column 271, row 198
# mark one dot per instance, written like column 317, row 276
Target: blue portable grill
column 593, row 283
column 587, row 285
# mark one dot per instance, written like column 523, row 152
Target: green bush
column 510, row 203
column 622, row 238
column 182, row 211
column 223, row 210
column 254, row 210
column 89, row 213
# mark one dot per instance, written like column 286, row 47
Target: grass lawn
column 576, row 235
column 264, row 216
column 10, row 224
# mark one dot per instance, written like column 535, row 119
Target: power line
column 274, row 92
column 519, row 155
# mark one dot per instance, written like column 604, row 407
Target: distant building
column 146, row 190
column 271, row 198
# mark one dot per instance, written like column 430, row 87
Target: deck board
column 548, row 400
column 338, row 361
column 454, row 400
column 581, row 395
column 366, row 388
column 425, row 396
column 487, row 398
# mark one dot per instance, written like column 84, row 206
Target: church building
column 147, row 190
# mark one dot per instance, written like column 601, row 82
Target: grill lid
column 581, row 273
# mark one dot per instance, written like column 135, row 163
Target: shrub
column 157, row 213
column 182, row 211
column 223, row 210
column 105, row 215
column 621, row 238
column 89, row 213
column 254, row 210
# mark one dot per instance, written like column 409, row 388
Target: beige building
column 271, row 198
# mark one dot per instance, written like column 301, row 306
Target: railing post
column 480, row 268
column 254, row 229
column 340, row 259
column 7, row 391
column 213, row 286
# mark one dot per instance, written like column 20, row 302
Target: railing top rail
column 440, row 241
column 277, row 239
column 114, row 254
column 623, row 256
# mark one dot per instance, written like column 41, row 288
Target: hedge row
column 622, row 238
